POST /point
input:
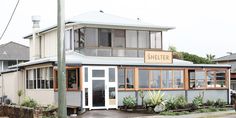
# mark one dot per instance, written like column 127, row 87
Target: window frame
column 125, row 80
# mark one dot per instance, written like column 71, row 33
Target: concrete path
column 121, row 114
column 220, row 114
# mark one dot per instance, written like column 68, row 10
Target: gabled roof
column 14, row 51
column 108, row 20
column 230, row 57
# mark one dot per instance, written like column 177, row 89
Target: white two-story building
column 108, row 58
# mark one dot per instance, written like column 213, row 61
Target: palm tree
column 210, row 57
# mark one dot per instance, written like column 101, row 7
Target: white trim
column 107, row 85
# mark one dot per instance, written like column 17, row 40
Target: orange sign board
column 158, row 57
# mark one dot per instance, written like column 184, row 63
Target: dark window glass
column 121, row 78
column 118, row 38
column 71, row 82
column 86, row 96
column 81, row 38
column 78, row 77
column 191, row 74
column 34, row 76
column 27, row 79
column 220, row 79
column 143, row 78
column 51, row 77
column 130, row 78
column 76, row 39
column 104, row 37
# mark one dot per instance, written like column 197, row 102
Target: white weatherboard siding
column 50, row 44
column 44, row 97
column 12, row 84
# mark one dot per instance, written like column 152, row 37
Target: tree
column 190, row 57
column 210, row 57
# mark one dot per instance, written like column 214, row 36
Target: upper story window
column 155, row 39
column 115, row 42
column 104, row 37
column 68, row 39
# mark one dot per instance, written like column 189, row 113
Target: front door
column 100, row 87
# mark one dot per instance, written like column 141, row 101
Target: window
column 167, row 79
column 118, row 39
column 126, row 78
column 39, row 78
column 155, row 38
column 121, row 78
column 210, row 79
column 158, row 78
column 178, row 79
column 143, row 78
column 86, row 74
column 91, row 37
column 155, row 79
column 130, row 78
column 71, row 79
column 131, row 39
column 104, row 38
column 207, row 79
column 112, row 75
column 98, row 73
column 68, row 39
column 220, row 79
column 143, row 39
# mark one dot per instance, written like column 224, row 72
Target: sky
column 201, row 26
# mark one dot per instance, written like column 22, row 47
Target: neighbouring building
column 230, row 60
column 110, row 57
column 11, row 53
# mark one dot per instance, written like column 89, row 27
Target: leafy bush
column 220, row 103
column 129, row 101
column 155, row 98
column 171, row 104
column 29, row 102
column 180, row 102
column 197, row 101
column 209, row 103
column 176, row 103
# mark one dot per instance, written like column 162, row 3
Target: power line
column 9, row 19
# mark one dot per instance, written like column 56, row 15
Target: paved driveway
column 121, row 114
column 110, row 114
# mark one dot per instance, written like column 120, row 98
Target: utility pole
column 62, row 111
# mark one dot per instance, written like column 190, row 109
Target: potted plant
column 129, row 103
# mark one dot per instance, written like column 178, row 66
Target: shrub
column 176, row 103
column 220, row 103
column 197, row 101
column 29, row 102
column 129, row 101
column 209, row 103
column 180, row 102
column 155, row 98
column 171, row 104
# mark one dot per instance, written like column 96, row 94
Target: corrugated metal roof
column 104, row 19
column 226, row 58
column 14, row 51
column 77, row 58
